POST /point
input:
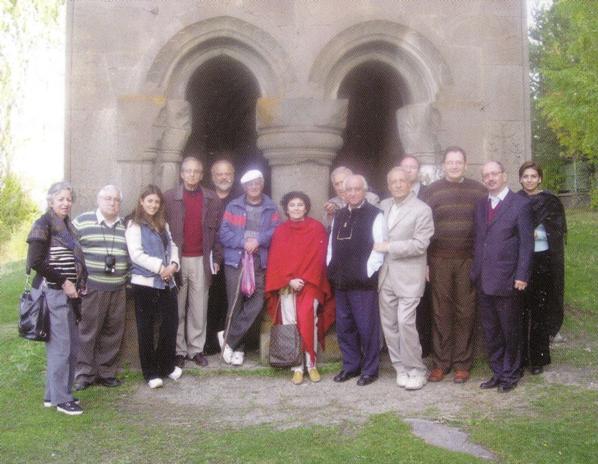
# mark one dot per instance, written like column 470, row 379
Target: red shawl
column 298, row 250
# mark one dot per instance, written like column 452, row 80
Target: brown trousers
column 453, row 313
column 101, row 332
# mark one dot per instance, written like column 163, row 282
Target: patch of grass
column 581, row 269
column 563, row 428
column 12, row 280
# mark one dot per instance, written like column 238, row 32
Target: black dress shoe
column 110, row 382
column 343, row 376
column 78, row 386
column 490, row 383
column 200, row 360
column 535, row 370
column 366, row 380
column 506, row 387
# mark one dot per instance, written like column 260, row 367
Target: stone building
column 292, row 86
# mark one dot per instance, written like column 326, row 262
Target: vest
column 156, row 245
column 352, row 244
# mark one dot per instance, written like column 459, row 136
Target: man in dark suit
column 503, row 249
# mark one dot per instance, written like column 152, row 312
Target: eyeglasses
column 487, row 175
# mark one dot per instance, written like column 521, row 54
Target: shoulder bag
column 34, row 316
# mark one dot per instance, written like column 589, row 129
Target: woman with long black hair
column 543, row 298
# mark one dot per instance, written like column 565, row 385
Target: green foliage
column 569, row 74
column 15, row 207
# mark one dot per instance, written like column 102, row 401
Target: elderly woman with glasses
column 54, row 253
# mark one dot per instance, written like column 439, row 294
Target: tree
column 568, row 68
column 23, row 24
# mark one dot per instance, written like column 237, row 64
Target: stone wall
column 463, row 63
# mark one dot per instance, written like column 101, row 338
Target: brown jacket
column 211, row 217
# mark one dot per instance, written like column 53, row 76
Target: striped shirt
column 62, row 260
column 98, row 240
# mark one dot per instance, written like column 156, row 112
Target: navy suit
column 503, row 253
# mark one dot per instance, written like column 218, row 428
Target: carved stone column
column 300, row 137
column 173, row 126
column 418, row 130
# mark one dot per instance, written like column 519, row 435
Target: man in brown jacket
column 194, row 214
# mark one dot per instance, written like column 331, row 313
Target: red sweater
column 192, row 226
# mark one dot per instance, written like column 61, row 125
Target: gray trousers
column 193, row 307
column 101, row 332
column 61, row 348
column 397, row 315
column 245, row 310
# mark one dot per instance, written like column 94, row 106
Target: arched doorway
column 371, row 139
column 223, row 93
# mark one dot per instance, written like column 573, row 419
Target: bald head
column 494, row 177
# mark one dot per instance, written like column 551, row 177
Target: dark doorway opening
column 223, row 95
column 371, row 139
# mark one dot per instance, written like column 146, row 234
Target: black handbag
column 285, row 346
column 34, row 315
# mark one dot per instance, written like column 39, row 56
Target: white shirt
column 100, row 217
column 494, row 200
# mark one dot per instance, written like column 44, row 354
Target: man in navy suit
column 503, row 249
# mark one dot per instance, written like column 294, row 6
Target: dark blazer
column 211, row 217
column 503, row 249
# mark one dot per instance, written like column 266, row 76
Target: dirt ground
column 224, row 396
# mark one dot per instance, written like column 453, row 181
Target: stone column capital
column 297, row 130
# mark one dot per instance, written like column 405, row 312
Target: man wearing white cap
column 247, row 227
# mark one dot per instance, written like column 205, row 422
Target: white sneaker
column 238, row 358
column 402, row 379
column 415, row 382
column 176, row 373
column 155, row 383
column 227, row 354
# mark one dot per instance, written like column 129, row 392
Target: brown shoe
column 436, row 375
column 461, row 376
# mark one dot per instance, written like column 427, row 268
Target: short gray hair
column 395, row 169
column 58, row 187
column 109, row 187
column 356, row 176
column 339, row 170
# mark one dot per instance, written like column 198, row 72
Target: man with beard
column 223, row 178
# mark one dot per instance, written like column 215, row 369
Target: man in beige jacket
column 408, row 229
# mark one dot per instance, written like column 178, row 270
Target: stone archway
column 415, row 59
column 224, row 38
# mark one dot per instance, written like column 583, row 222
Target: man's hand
column 251, row 245
column 330, row 208
column 520, row 285
column 382, row 247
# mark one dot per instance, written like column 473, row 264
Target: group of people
column 406, row 273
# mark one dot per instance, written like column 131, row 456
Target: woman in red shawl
column 296, row 284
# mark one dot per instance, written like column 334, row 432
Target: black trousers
column 217, row 309
column 153, row 306
column 535, row 320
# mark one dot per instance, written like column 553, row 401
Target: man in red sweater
column 452, row 199
column 194, row 214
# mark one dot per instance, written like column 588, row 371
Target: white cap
column 250, row 175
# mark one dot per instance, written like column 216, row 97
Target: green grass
column 581, row 260
column 554, row 423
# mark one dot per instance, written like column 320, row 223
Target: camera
column 109, row 264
